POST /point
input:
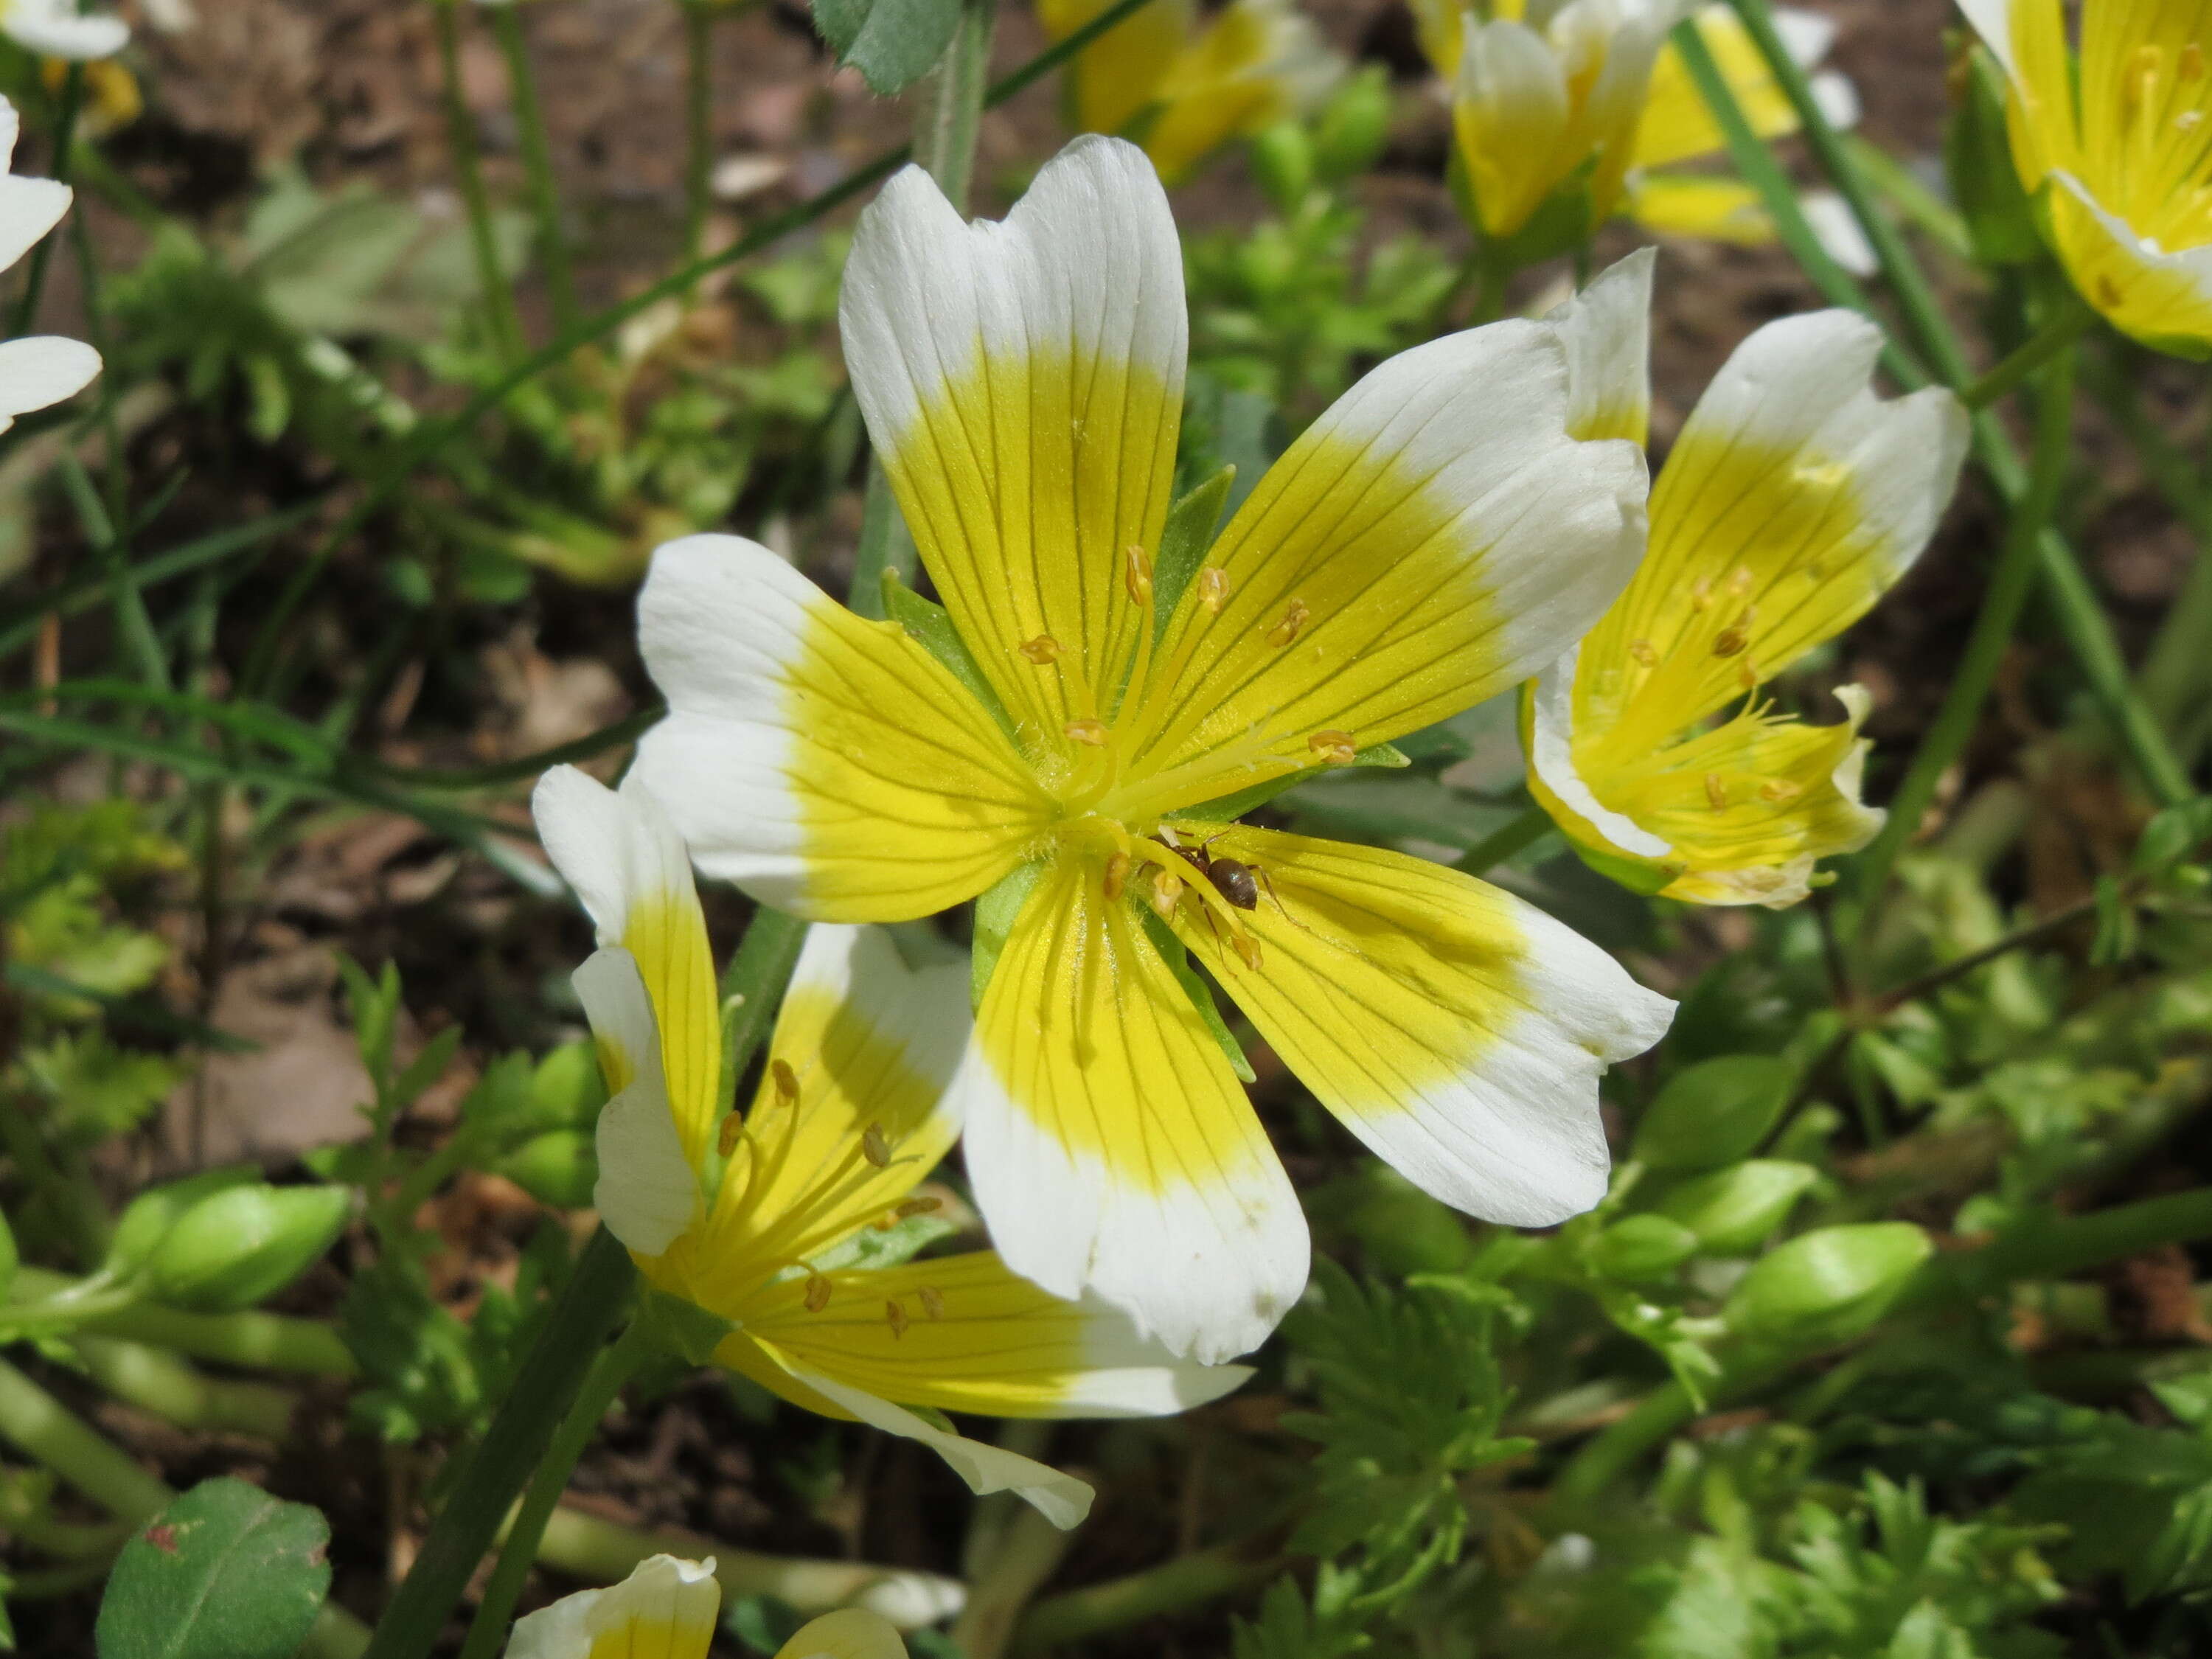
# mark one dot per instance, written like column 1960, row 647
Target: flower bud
column 566, row 1091
column 1732, row 1211
column 558, row 1168
column 1713, row 1113
column 1826, row 1287
column 1641, row 1248
column 1283, row 161
column 1354, row 126
column 240, row 1245
column 1977, row 159
column 147, row 1220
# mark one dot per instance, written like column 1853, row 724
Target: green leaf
column 1714, row 1112
column 1187, row 534
column 994, row 920
column 1178, row 962
column 893, row 43
column 225, row 1572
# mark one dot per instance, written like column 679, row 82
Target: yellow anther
column 1248, row 948
column 1716, row 792
column 920, row 1206
column 896, row 1315
column 1294, row 618
column 1746, row 674
column 1212, row 589
column 1090, row 732
column 1137, row 574
column 726, row 1137
column 1335, row 748
column 1043, row 650
column 1739, row 583
column 787, row 1082
column 2192, row 61
column 1167, row 892
column 1701, row 595
column 932, row 1300
column 2108, row 291
column 1117, row 876
column 1644, row 652
column 874, row 1147
column 1732, row 639
column 818, row 1293
column 1780, row 789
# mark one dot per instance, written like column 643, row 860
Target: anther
column 1117, row 876
column 1780, row 789
column 1043, row 650
column 1090, row 732
column 920, row 1206
column 1644, row 652
column 1733, row 639
column 1746, row 674
column 2190, row 63
column 1294, row 618
column 1137, row 575
column 1167, row 892
column 1212, row 589
column 1739, row 583
column 1716, row 792
column 726, row 1137
column 1701, row 595
column 932, row 1300
column 2108, row 291
column 874, row 1147
column 1335, row 748
column 787, row 1082
column 896, row 1315
column 818, row 1293
column 1248, row 948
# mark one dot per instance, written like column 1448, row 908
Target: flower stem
column 2001, row 603
column 698, row 124
column 158, row 1382
column 264, row 1341
column 499, row 319
column 614, row 1367
column 536, row 163
column 1502, row 843
column 49, row 1431
column 1188, row 1581
column 35, row 280
column 2068, row 318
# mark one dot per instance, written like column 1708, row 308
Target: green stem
column 428, row 438
column 35, row 280
column 499, row 320
column 1502, row 843
column 536, row 163
column 159, row 1382
column 2175, row 669
column 615, row 1366
column 2067, row 321
column 596, row 1293
column 698, row 124
column 47, row 1431
column 2001, row 603
column 1189, row 1581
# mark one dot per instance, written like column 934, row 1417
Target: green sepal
column 929, row 625
column 872, row 1248
column 995, row 912
column 1635, row 874
column 1178, row 960
column 1230, row 808
column 1184, row 540
column 681, row 1328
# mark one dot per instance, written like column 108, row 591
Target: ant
column 1238, row 883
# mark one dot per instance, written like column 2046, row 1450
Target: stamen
column 1043, row 650
column 896, row 1315
column 1701, row 595
column 1747, row 675
column 1780, row 789
column 1739, row 583
column 2190, row 63
column 1335, row 747
column 1137, row 575
column 874, row 1147
column 1212, row 589
column 924, row 1206
column 818, row 1292
column 726, row 1136
column 1092, row 732
column 1716, row 792
column 1644, row 652
column 932, row 1300
column 787, row 1082
column 1294, row 618
column 1167, row 892
column 2108, row 291
column 1734, row 638
column 1117, row 876
column 1247, row 948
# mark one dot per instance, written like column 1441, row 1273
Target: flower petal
column 1792, row 498
column 1456, row 1029
column 665, row 1609
column 2162, row 299
column 29, row 208
column 870, row 1046
column 1511, row 111
column 1548, row 738
column 848, row 1633
column 830, row 766
column 1109, row 1143
column 1113, row 78
column 648, row 1192
column 629, row 865
column 1434, row 537
column 1256, row 62
column 970, row 1335
column 40, row 371
column 1023, row 383
column 1060, row 1498
column 1607, row 331
column 1676, row 126
column 55, row 30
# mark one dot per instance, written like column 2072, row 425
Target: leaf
column 225, row 1572
column 1184, row 540
column 931, row 626
column 893, row 43
column 994, row 920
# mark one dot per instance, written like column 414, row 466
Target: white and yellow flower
column 42, row 369
column 1791, row 501
column 54, row 28
column 1184, row 86
column 666, row 1608
column 751, row 1217
column 2117, row 148
column 1437, row 536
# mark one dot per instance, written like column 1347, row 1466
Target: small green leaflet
column 893, row 43
column 225, row 1572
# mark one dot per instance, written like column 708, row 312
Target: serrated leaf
column 893, row 43
column 225, row 1572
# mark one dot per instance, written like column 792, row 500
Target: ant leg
column 1269, row 882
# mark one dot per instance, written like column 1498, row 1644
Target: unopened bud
column 1826, row 1287
column 1713, row 1113
column 245, row 1244
column 1733, row 1211
column 1641, row 1249
column 1283, row 161
column 558, row 1168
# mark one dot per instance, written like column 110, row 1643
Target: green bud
column 1354, row 126
column 245, row 1244
column 1641, row 1248
column 1732, row 1211
column 1977, row 159
column 566, row 1091
column 1826, row 1287
column 1714, row 1112
column 1283, row 161
column 147, row 1220
column 559, row 1168
column 1267, row 262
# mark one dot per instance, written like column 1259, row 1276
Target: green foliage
column 225, row 1572
column 893, row 43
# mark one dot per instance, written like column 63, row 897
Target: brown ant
column 1238, row 883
